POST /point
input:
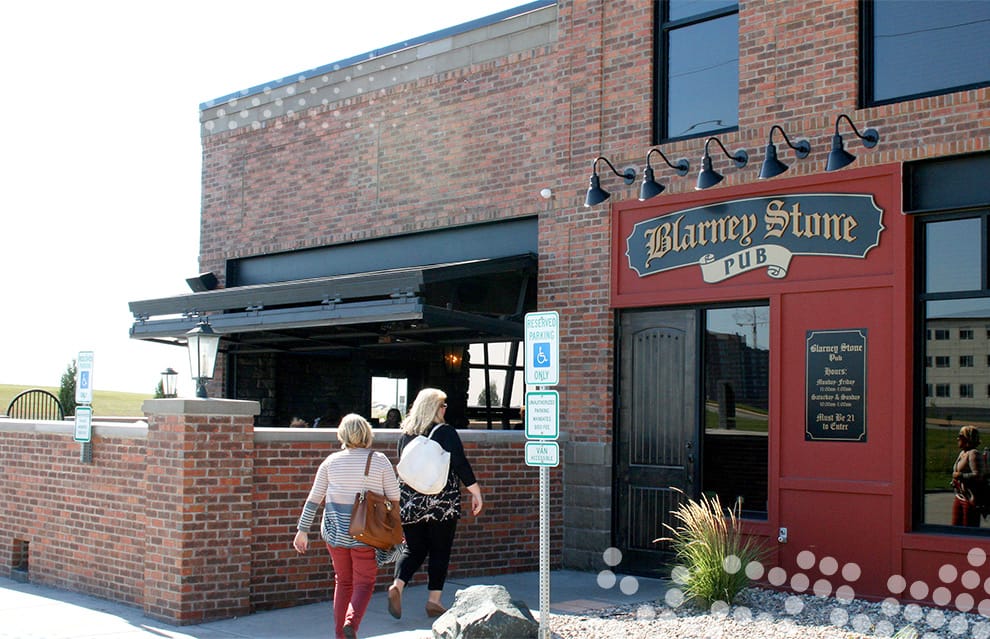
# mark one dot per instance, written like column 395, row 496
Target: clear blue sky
column 101, row 155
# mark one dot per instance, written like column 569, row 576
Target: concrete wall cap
column 183, row 406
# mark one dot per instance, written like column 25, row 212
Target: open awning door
column 458, row 302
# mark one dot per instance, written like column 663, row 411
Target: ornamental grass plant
column 715, row 558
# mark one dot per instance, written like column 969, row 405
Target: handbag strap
column 367, row 467
column 435, row 430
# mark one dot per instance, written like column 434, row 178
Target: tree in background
column 160, row 390
column 491, row 393
column 67, row 389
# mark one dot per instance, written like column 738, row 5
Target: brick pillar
column 198, row 487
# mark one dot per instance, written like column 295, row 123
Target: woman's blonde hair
column 425, row 412
column 354, row 432
column 971, row 434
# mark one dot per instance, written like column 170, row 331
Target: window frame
column 923, row 335
column 867, row 63
column 661, row 54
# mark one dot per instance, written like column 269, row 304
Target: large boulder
column 486, row 612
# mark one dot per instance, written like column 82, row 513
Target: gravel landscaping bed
column 760, row 613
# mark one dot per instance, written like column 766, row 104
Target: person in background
column 393, row 418
column 298, row 422
column 429, row 521
column 968, row 479
column 338, row 479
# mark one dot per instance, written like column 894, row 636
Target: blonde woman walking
column 338, row 479
column 429, row 521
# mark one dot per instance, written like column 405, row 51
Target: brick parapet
column 191, row 517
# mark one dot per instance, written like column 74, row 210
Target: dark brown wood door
column 657, row 438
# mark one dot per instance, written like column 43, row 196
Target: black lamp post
column 169, row 379
column 203, row 344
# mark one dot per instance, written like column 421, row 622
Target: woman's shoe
column 395, row 602
column 434, row 609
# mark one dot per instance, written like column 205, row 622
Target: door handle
column 690, row 468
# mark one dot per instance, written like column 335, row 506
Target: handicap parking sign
column 541, row 355
column 542, row 347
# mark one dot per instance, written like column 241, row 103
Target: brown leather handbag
column 375, row 518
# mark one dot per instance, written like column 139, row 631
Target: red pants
column 964, row 513
column 354, row 573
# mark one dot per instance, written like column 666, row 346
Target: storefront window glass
column 737, row 382
column 925, row 48
column 956, row 300
column 961, row 240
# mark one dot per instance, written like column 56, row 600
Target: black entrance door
column 657, row 438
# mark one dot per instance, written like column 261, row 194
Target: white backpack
column 424, row 465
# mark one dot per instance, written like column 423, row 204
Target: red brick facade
column 192, row 518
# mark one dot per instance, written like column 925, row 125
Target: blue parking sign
column 541, row 355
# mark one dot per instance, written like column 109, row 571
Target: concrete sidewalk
column 30, row 611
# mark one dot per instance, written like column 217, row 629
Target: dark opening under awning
column 459, row 302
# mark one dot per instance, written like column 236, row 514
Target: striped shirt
column 338, row 480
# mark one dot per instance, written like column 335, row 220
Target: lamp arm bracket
column 681, row 167
column 802, row 148
column 870, row 137
column 740, row 157
column 629, row 175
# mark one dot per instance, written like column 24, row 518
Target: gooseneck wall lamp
column 838, row 157
column 650, row 187
column 596, row 194
column 771, row 165
column 708, row 176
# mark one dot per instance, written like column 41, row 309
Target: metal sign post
column 542, row 368
column 84, row 412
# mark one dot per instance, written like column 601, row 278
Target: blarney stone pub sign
column 730, row 238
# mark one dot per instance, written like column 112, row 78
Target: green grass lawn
column 105, row 403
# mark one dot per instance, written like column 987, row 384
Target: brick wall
column 476, row 141
column 192, row 517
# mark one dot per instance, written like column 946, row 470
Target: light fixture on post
column 650, row 187
column 169, row 378
column 596, row 194
column 453, row 358
column 203, row 344
column 708, row 176
column 838, row 157
column 771, row 165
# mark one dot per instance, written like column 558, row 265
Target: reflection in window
column 697, row 85
column 926, row 48
column 961, row 240
column 956, row 299
column 495, row 384
column 737, row 382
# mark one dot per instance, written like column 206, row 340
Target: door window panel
column 737, row 394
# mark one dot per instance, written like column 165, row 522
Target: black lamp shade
column 838, row 157
column 708, row 176
column 650, row 187
column 596, row 194
column 771, row 165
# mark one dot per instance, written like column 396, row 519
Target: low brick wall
column 191, row 517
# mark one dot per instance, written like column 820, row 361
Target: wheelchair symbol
column 541, row 355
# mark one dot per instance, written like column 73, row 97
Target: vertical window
column 697, row 67
column 914, row 49
column 953, row 296
column 737, row 384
